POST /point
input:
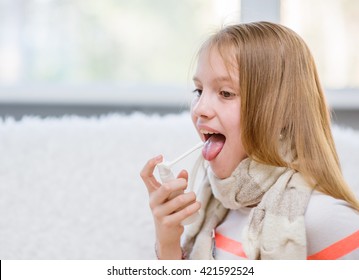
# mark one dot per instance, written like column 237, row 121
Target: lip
column 204, row 130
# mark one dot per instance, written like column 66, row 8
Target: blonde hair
column 283, row 107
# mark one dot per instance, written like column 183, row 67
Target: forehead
column 221, row 65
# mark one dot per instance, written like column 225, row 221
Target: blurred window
column 141, row 51
column 330, row 28
column 136, row 43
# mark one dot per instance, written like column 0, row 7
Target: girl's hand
column 168, row 211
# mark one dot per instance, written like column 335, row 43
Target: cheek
column 233, row 120
column 193, row 115
column 236, row 136
column 194, row 121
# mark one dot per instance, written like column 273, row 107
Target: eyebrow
column 217, row 80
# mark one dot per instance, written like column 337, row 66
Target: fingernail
column 158, row 157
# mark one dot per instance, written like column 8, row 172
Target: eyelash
column 223, row 93
column 230, row 94
column 198, row 92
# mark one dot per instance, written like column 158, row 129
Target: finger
column 147, row 174
column 163, row 193
column 177, row 217
column 173, row 205
column 183, row 174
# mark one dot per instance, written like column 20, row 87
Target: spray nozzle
column 164, row 168
column 169, row 164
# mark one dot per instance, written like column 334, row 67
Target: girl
column 272, row 186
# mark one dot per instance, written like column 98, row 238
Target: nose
column 203, row 107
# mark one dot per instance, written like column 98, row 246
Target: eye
column 227, row 94
column 197, row 92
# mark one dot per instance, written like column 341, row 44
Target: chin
column 221, row 172
column 224, row 169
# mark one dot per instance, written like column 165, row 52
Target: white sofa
column 70, row 187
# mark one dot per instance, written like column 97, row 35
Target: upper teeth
column 203, row 131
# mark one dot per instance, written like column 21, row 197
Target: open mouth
column 213, row 145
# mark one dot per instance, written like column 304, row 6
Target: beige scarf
column 276, row 228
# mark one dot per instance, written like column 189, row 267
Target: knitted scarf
column 275, row 230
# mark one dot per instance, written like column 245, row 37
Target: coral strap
column 332, row 252
column 338, row 249
column 229, row 245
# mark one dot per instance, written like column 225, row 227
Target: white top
column 332, row 230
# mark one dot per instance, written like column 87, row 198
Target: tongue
column 213, row 146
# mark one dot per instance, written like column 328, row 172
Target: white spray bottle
column 166, row 175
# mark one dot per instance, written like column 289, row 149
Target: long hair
column 285, row 120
